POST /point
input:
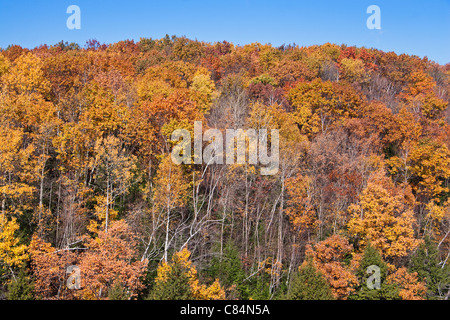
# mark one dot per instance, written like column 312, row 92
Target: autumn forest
column 93, row 207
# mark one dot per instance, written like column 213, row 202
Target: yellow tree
column 420, row 96
column 12, row 253
column 203, row 89
column 384, row 216
column 113, row 175
column 4, row 64
column 181, row 268
column 26, row 76
column 353, row 70
column 25, row 106
column 170, row 192
column 429, row 164
column 16, row 171
column 318, row 104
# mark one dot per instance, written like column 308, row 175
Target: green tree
column 118, row 292
column 175, row 287
column 425, row 261
column 178, row 280
column 228, row 269
column 309, row 284
column 21, row 288
column 386, row 291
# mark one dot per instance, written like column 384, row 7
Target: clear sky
column 415, row 27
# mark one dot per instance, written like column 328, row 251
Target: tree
column 203, row 90
column 113, row 175
column 229, row 270
column 426, row 263
column 384, row 217
column 175, row 285
column 329, row 258
column 49, row 267
column 110, row 261
column 420, row 97
column 4, row 64
column 299, row 205
column 26, row 76
column 87, row 181
column 170, row 192
column 429, row 164
column 178, row 280
column 12, row 252
column 118, row 292
column 21, row 288
column 410, row 286
column 372, row 257
column 16, row 172
column 318, row 104
column 309, row 284
column 353, row 70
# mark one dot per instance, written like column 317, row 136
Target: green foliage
column 66, row 46
column 85, row 144
column 118, row 292
column 387, row 291
column 175, row 288
column 21, row 288
column 264, row 79
column 228, row 269
column 260, row 288
column 425, row 261
column 309, row 284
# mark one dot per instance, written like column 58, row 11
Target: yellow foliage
column 171, row 187
column 203, row 90
column 384, row 218
column 12, row 254
column 353, row 70
column 199, row 291
column 149, row 89
column 27, row 75
column 436, row 215
column 4, row 64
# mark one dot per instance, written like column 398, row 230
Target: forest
column 94, row 208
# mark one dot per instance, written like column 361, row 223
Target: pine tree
column 386, row 291
column 175, row 287
column 228, row 269
column 118, row 292
column 178, row 280
column 425, row 261
column 21, row 288
column 309, row 284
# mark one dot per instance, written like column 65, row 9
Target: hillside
column 94, row 207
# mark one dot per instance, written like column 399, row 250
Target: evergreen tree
column 228, row 269
column 118, row 292
column 259, row 287
column 21, row 288
column 309, row 284
column 176, row 286
column 425, row 261
column 386, row 291
column 178, row 280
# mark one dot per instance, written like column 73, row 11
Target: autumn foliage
column 87, row 180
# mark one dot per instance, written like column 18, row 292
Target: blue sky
column 414, row 27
